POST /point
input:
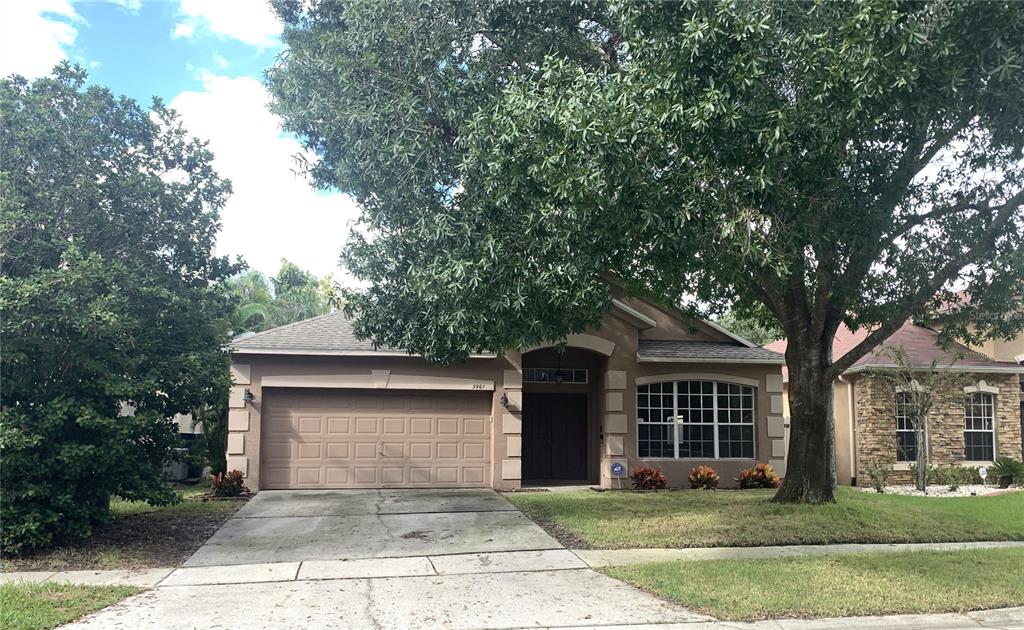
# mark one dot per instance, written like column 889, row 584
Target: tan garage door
column 374, row 439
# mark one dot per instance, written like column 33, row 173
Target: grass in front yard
column 693, row 518
column 836, row 586
column 138, row 536
column 43, row 606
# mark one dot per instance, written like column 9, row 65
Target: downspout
column 853, row 423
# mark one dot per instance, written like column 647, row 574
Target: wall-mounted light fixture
column 247, row 396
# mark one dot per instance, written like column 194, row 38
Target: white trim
column 1019, row 358
column 852, row 420
column 981, row 387
column 635, row 314
column 990, row 369
column 780, row 361
column 731, row 335
column 587, row 342
column 342, row 353
column 696, row 376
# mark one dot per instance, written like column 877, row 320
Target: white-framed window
column 906, row 437
column 574, row 376
column 979, row 427
column 695, row 420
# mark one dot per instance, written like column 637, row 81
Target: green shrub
column 229, row 484
column 760, row 476
column 1006, row 471
column 703, row 477
column 879, row 475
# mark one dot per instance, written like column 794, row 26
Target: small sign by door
column 618, row 470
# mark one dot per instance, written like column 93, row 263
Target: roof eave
column 994, row 369
column 643, row 359
column 340, row 353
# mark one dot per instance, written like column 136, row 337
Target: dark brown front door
column 554, row 436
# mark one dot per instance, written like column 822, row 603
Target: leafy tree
column 915, row 391
column 292, row 295
column 827, row 162
column 752, row 326
column 109, row 214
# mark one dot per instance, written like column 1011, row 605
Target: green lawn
column 693, row 518
column 835, row 586
column 42, row 606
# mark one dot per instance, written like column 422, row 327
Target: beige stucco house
column 868, row 423
column 314, row 407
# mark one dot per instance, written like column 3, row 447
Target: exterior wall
column 846, row 452
column 1009, row 350
column 252, row 371
column 876, row 426
column 612, row 388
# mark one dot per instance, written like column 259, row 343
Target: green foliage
column 647, row 478
column 759, row 476
column 828, row 162
column 292, row 295
column 109, row 214
column 1008, row 470
column 756, row 328
column 953, row 476
column 703, row 477
column 878, row 473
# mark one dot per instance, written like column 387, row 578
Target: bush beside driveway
column 837, row 586
column 138, row 536
column 748, row 518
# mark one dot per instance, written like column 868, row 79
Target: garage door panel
column 339, row 425
column 364, row 438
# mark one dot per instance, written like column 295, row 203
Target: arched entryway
column 561, row 432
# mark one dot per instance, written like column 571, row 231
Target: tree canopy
column 109, row 215
column 292, row 295
column 826, row 162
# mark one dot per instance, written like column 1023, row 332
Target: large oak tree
column 821, row 163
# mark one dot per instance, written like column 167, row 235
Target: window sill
column 902, row 466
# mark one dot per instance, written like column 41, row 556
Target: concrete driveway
column 464, row 559
column 297, row 525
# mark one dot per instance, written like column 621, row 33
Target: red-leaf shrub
column 760, row 476
column 648, row 479
column 229, row 484
column 703, row 477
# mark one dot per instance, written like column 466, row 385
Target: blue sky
column 206, row 59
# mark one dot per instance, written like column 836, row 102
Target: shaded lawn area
column 44, row 606
column 836, row 586
column 747, row 518
column 138, row 536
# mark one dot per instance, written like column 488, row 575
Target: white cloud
column 34, row 35
column 273, row 212
column 131, row 6
column 249, row 21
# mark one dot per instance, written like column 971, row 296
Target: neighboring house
column 868, row 427
column 314, row 407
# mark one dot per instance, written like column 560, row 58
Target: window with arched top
column 695, row 420
column 979, row 427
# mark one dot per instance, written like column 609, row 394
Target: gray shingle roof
column 328, row 334
column 693, row 351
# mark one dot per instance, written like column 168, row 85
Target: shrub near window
column 647, row 478
column 703, row 477
column 760, row 476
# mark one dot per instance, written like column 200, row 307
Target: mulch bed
column 135, row 541
column 568, row 539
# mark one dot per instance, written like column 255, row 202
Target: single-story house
column 314, row 407
column 870, row 427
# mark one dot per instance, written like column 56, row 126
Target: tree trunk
column 921, row 472
column 811, row 464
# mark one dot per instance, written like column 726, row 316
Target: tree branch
column 927, row 291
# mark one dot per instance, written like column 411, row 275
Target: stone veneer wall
column 876, row 426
